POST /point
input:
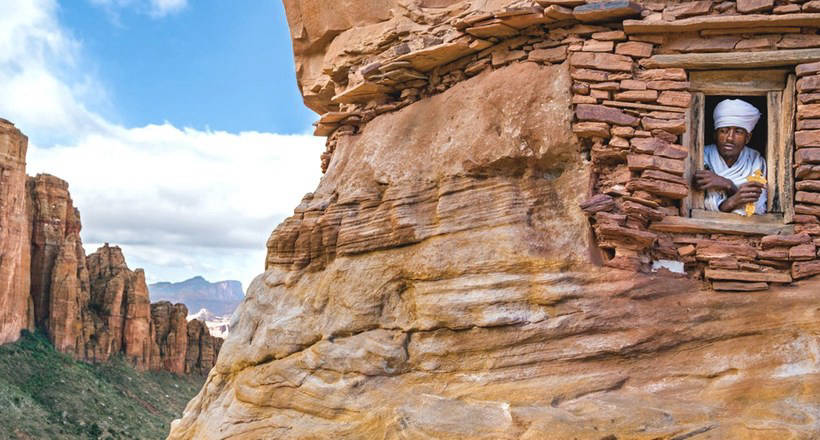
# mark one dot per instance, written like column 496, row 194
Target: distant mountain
column 220, row 298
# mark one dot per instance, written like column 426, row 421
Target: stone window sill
column 709, row 222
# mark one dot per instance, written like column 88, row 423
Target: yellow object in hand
column 756, row 177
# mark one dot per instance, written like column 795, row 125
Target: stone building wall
column 630, row 111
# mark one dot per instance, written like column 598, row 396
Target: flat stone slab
column 425, row 60
column 739, row 286
column 498, row 30
column 361, row 93
column 601, row 11
column 773, row 277
column 710, row 226
column 723, row 22
column 600, row 113
column 772, row 58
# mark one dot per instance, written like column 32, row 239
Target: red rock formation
column 120, row 298
column 202, row 348
column 170, row 337
column 55, row 225
column 91, row 307
column 15, row 302
column 70, row 322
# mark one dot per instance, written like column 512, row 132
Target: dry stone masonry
column 630, row 108
column 500, row 178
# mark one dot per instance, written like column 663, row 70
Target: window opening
column 772, row 93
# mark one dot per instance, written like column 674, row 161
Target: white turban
column 736, row 113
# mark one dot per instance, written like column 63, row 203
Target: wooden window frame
column 778, row 86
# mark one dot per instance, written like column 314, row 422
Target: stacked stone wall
column 630, row 114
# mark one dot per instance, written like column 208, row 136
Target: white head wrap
column 736, row 113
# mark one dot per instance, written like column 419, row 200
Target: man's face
column 730, row 142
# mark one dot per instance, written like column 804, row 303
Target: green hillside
column 47, row 395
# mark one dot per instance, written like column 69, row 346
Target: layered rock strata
column 475, row 261
column 15, row 304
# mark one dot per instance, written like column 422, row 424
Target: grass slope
column 47, row 395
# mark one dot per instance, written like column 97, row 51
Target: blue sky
column 177, row 124
column 219, row 64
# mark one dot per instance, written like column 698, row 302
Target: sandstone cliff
column 90, row 307
column 492, row 168
column 16, row 310
column 60, row 289
column 202, row 348
column 120, row 297
column 181, row 346
column 170, row 336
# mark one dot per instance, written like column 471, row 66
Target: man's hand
column 707, row 180
column 747, row 193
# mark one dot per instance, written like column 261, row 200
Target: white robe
column 749, row 161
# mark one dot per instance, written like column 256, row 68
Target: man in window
column 729, row 162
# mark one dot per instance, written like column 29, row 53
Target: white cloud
column 40, row 83
column 155, row 8
column 199, row 197
column 181, row 202
column 164, row 7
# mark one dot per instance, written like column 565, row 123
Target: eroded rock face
column 329, row 38
column 613, row 355
column 95, row 307
column 442, row 281
column 120, row 296
column 170, row 334
column 91, row 307
column 59, row 278
column 15, row 303
column 313, row 26
column 70, row 324
column 202, row 348
column 489, row 152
